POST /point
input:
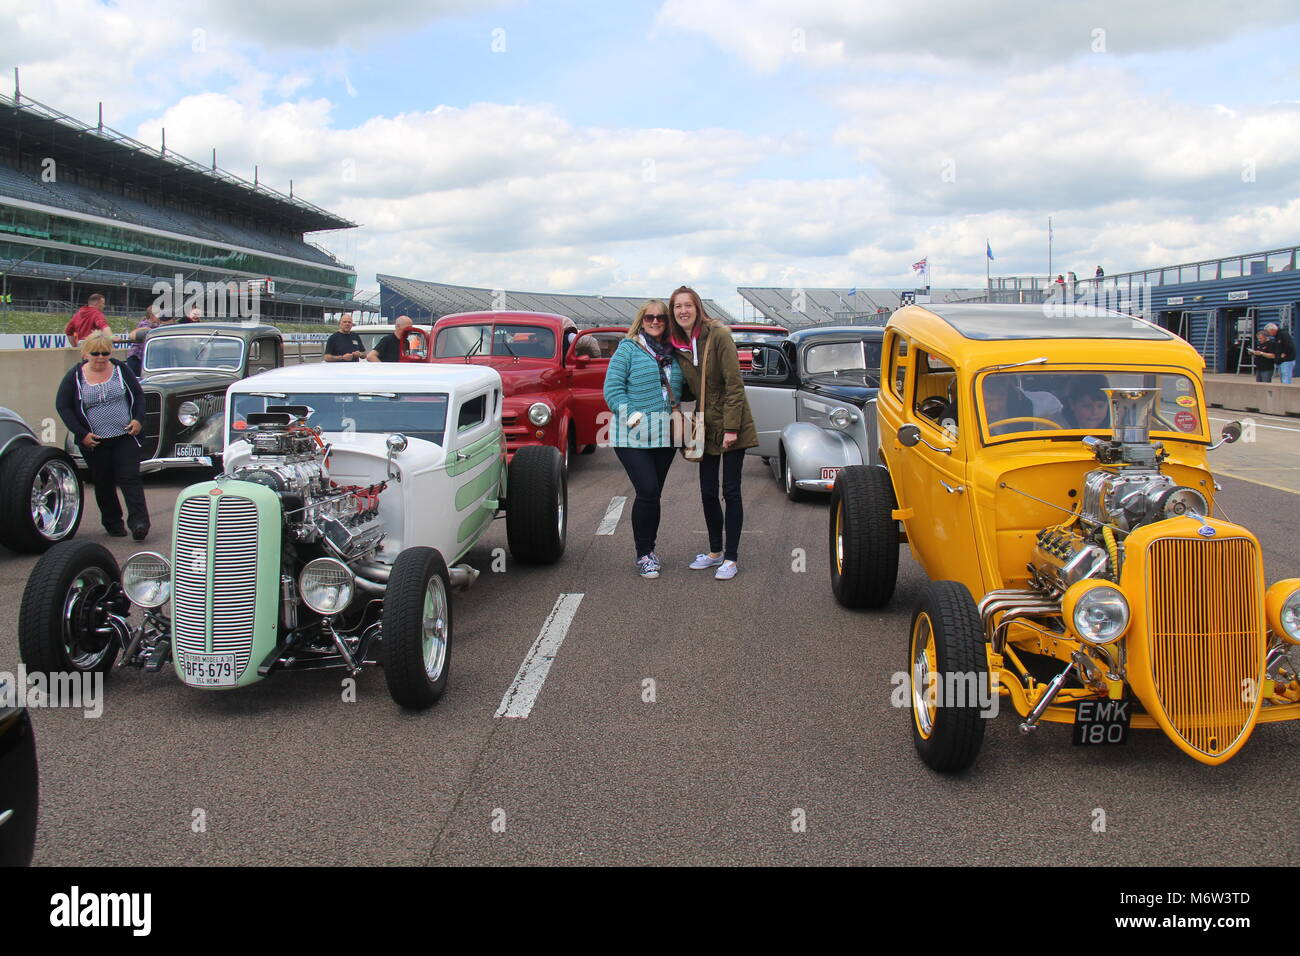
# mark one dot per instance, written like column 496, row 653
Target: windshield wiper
column 376, row 394
column 267, row 394
column 474, row 351
column 1042, row 360
column 506, row 343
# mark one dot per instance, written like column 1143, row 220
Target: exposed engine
column 1125, row 493
column 291, row 459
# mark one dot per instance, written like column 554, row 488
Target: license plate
column 209, row 670
column 1102, row 722
column 829, row 474
column 189, row 451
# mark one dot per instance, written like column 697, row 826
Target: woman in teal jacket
column 642, row 384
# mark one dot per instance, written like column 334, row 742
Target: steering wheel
column 1024, row 418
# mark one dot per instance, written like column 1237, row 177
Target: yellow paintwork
column 965, row 524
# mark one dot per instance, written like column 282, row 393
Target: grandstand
column 797, row 308
column 88, row 209
column 427, row 301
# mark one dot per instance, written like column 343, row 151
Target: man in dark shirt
column 344, row 345
column 1286, row 346
column 389, row 348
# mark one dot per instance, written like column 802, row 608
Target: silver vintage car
column 813, row 399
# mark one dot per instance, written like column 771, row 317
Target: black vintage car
column 186, row 371
column 40, row 493
column 19, row 791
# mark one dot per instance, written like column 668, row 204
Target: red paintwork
column 745, row 355
column 573, row 385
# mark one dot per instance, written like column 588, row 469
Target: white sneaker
column 727, row 571
column 703, row 561
column 648, row 566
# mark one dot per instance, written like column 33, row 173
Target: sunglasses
column 100, row 354
column 654, row 318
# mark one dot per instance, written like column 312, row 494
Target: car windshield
column 1028, row 403
column 421, row 415
column 857, row 361
column 519, row 341
column 193, row 351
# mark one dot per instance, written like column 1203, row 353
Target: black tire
column 792, row 491
column 58, row 618
column 947, row 734
column 41, row 498
column 588, row 450
column 537, row 510
column 863, row 537
column 417, row 658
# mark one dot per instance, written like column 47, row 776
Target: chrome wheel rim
column 559, row 511
column 923, row 665
column 435, row 628
column 81, row 620
column 789, row 478
column 55, row 502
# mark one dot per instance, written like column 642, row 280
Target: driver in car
column 1085, row 404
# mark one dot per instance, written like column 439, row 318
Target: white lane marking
column 522, row 693
column 1276, row 428
column 609, row 523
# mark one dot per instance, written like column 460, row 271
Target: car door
column 586, row 363
column 770, row 387
column 473, row 466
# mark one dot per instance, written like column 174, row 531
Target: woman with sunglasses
column 101, row 402
column 642, row 385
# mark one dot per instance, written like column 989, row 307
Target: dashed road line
column 522, row 693
column 609, row 523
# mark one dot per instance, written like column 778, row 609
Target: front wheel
column 537, row 505
column 792, row 491
column 40, row 498
column 63, row 623
column 416, row 652
column 863, row 537
column 949, row 677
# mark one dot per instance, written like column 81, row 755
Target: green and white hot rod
column 332, row 539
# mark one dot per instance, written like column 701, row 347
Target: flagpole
column 988, row 279
column 1049, row 248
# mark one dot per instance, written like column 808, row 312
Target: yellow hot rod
column 1050, row 476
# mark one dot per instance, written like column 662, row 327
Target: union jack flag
column 920, row 266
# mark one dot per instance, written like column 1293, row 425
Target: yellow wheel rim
column 839, row 539
column 924, row 664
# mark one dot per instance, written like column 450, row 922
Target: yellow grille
column 1205, row 603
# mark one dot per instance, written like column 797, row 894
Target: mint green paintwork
column 266, row 617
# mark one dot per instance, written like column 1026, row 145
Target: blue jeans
column 1285, row 369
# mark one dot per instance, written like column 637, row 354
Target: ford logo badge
column 1205, row 531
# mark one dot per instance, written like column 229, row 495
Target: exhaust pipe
column 462, row 576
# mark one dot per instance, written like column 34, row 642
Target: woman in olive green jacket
column 708, row 359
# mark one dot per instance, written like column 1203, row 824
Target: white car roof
column 370, row 376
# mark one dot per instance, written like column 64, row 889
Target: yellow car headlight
column 1095, row 611
column 1282, row 609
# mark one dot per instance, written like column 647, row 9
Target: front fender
column 809, row 448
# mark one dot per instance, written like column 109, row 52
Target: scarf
column 660, row 348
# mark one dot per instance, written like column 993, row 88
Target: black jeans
column 732, row 462
column 115, row 463
column 648, row 469
column 1263, row 374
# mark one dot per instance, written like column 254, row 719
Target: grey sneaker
column 648, row 566
column 727, row 571
column 703, row 561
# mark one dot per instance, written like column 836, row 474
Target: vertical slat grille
column 190, row 559
column 234, row 569
column 152, row 425
column 1206, row 636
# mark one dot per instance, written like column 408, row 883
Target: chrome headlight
column 1180, row 501
column 147, row 579
column 326, row 585
column 842, row 417
column 539, row 413
column 188, row 414
column 1095, row 611
column 1282, row 608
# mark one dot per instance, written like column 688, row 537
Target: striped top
column 633, row 384
column 107, row 405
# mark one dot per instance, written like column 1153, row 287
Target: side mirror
column 909, row 435
column 396, row 444
column 1231, row 433
column 767, row 364
column 582, row 361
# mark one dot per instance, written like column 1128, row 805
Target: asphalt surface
column 770, row 737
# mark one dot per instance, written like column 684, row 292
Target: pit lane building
column 84, row 209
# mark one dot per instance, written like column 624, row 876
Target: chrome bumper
column 815, row 484
column 158, row 464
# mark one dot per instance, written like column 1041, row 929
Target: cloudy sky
column 627, row 148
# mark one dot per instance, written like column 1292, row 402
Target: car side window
column 898, row 365
column 263, row 354
column 472, row 413
column 934, row 399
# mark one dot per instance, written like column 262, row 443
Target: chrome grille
column 1205, row 607
column 234, row 601
column 152, row 425
column 190, row 560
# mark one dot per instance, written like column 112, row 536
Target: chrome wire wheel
column 435, row 627
column 56, row 501
column 923, row 665
column 86, row 647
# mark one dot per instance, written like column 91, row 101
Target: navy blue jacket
column 68, row 401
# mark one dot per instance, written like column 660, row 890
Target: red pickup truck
column 553, row 372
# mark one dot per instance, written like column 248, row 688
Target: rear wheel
column 416, row 652
column 948, row 676
column 40, row 498
column 537, row 506
column 863, row 537
column 63, row 623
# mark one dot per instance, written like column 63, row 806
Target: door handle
column 957, row 490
